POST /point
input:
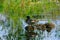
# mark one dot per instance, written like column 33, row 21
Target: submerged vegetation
column 15, row 10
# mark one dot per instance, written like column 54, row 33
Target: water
column 53, row 35
column 3, row 29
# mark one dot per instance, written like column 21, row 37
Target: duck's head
column 28, row 17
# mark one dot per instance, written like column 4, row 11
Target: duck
column 30, row 21
column 49, row 26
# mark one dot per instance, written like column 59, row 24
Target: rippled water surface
column 53, row 35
